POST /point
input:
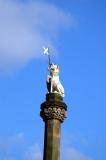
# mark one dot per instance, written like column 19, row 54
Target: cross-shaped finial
column 46, row 50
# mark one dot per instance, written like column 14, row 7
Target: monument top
column 53, row 82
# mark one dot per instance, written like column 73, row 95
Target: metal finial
column 46, row 51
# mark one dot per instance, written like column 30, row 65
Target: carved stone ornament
column 53, row 113
column 53, row 107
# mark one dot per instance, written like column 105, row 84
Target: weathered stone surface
column 53, row 112
column 52, row 140
column 54, row 97
column 53, row 108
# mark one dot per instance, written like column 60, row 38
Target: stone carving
column 53, row 83
column 54, row 113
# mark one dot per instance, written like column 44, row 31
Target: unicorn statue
column 53, row 82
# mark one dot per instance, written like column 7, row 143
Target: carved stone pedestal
column 53, row 112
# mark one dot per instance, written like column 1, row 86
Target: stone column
column 53, row 112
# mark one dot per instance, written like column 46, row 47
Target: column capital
column 53, row 108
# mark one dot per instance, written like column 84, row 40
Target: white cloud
column 16, row 146
column 34, row 152
column 69, row 152
column 17, row 139
column 6, row 142
column 74, row 154
column 25, row 27
column 11, row 145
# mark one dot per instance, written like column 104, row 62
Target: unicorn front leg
column 51, row 86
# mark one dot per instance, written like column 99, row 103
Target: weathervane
column 53, row 82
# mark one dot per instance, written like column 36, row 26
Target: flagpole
column 49, row 59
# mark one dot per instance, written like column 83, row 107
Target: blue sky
column 75, row 30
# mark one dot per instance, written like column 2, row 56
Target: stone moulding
column 53, row 110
